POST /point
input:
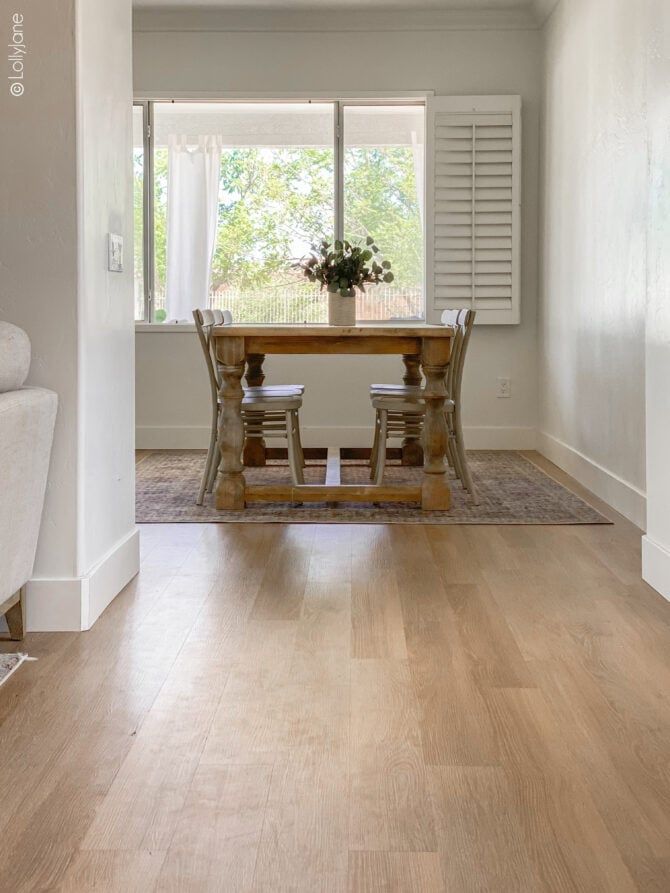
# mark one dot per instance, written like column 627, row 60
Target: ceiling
column 539, row 8
column 406, row 5
column 532, row 12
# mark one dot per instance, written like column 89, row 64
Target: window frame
column 339, row 103
column 147, row 209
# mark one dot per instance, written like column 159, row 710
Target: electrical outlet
column 504, row 388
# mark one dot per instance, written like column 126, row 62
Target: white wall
column 66, row 181
column 656, row 545
column 172, row 392
column 38, row 259
column 106, row 322
column 593, row 278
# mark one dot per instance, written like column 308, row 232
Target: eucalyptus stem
column 342, row 267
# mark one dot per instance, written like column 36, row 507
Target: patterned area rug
column 512, row 490
column 9, row 663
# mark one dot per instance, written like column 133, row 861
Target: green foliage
column 341, row 268
column 160, row 216
column 138, row 231
column 380, row 190
column 270, row 201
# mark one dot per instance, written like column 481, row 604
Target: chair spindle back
column 205, row 320
column 462, row 320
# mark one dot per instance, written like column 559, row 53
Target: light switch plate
column 115, row 253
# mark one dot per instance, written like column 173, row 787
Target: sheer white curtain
column 192, row 210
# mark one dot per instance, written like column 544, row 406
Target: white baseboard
column 499, row 438
column 172, row 437
column 656, row 566
column 197, row 438
column 55, row 605
column 623, row 496
column 74, row 604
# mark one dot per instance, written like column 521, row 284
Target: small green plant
column 341, row 268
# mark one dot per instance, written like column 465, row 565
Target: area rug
column 511, row 489
column 9, row 663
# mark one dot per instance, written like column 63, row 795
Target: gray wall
column 65, row 157
column 593, row 281
column 38, row 248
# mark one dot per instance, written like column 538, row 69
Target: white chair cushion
column 401, row 390
column 14, row 357
column 275, row 390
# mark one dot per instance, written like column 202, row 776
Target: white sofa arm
column 27, row 420
column 14, row 357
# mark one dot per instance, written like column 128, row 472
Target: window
column 473, row 206
column 239, row 190
column 383, row 195
column 228, row 194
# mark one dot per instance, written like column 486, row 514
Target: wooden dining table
column 243, row 348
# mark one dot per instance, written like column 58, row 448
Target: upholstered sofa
column 27, row 417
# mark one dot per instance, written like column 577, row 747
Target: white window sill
column 169, row 328
column 178, row 328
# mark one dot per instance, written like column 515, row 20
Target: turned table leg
column 412, row 451
column 435, row 490
column 231, row 484
column 253, row 455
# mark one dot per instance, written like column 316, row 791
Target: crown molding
column 200, row 19
column 542, row 10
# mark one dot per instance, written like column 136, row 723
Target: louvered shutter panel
column 473, row 206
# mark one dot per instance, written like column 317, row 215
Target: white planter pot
column 341, row 311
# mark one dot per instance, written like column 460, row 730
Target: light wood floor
column 366, row 708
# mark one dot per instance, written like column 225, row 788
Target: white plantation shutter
column 473, row 206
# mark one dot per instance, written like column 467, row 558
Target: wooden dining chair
column 267, row 411
column 400, row 409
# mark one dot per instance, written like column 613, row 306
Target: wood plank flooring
column 362, row 708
